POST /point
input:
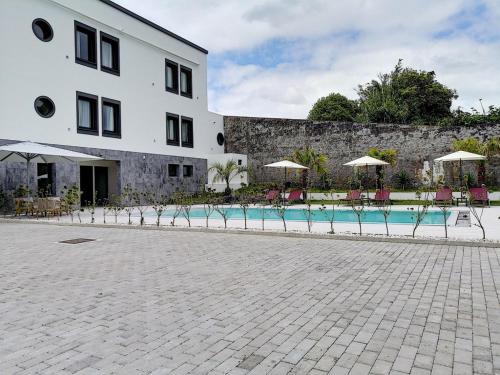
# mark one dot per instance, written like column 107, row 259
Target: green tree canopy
column 405, row 95
column 334, row 107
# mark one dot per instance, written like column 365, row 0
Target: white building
column 94, row 77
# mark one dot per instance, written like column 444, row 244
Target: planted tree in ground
column 244, row 203
column 478, row 215
column 106, row 208
column 445, row 209
column 403, row 179
column 225, row 172
column 208, row 204
column 223, row 210
column 422, row 208
column 71, row 200
column 308, row 214
column 141, row 199
column 263, row 216
column 385, row 208
column 115, row 206
column 177, row 207
column 159, row 203
column 358, row 210
column 330, row 214
column 280, row 209
column 128, row 202
column 90, row 207
column 186, row 206
column 314, row 161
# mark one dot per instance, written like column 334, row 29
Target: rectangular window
column 85, row 45
column 171, row 76
column 186, row 82
column 187, row 132
column 172, row 129
column 86, row 113
column 111, row 118
column 173, row 170
column 187, row 170
column 110, row 54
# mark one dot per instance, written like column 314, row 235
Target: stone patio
column 142, row 301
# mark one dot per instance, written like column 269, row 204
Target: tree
column 389, row 156
column 226, row 172
column 489, row 149
column 405, row 95
column 334, row 107
column 311, row 159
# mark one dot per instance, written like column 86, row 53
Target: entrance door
column 93, row 184
column 86, row 184
column 101, row 184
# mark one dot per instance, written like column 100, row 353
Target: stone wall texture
column 266, row 140
column 145, row 172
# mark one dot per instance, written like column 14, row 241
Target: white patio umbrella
column 286, row 164
column 30, row 151
column 366, row 161
column 461, row 156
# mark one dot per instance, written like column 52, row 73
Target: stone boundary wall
column 266, row 140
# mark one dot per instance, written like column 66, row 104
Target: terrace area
column 160, row 302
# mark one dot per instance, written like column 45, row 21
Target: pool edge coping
column 342, row 237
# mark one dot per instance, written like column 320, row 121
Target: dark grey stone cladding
column 142, row 171
column 266, row 140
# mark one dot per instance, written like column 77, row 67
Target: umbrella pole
column 28, row 176
column 367, row 191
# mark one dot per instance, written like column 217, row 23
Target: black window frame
column 175, row 74
column 79, row 27
column 115, row 44
column 177, row 169
column 117, row 105
column 95, row 114
column 177, row 132
column 189, row 93
column 190, row 143
column 51, row 30
column 187, row 168
column 43, row 97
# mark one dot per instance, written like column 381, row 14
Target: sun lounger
column 294, row 196
column 479, row 195
column 444, row 197
column 352, row 196
column 381, row 196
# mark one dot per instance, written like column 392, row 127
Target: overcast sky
column 277, row 57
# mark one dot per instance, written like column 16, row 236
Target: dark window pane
column 44, row 106
column 173, row 170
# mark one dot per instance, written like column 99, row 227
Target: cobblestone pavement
column 138, row 302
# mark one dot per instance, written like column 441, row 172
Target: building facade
column 93, row 77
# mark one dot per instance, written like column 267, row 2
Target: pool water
column 341, row 215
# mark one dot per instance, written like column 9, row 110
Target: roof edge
column 153, row 25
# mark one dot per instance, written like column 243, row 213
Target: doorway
column 94, row 184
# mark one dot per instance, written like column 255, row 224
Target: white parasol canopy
column 285, row 164
column 366, row 161
column 30, row 151
column 461, row 155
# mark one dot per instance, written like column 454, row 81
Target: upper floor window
column 110, row 54
column 171, row 76
column 172, row 129
column 111, row 118
column 86, row 113
column 42, row 30
column 187, row 132
column 186, row 82
column 85, row 45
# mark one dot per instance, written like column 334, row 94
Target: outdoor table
column 460, row 200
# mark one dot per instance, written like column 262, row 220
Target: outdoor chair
column 479, row 195
column 272, row 195
column 294, row 196
column 444, row 197
column 23, row 205
column 382, row 196
column 352, row 196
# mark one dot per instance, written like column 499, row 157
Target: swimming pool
column 341, row 215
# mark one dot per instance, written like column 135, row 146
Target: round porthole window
column 220, row 139
column 44, row 106
column 42, row 30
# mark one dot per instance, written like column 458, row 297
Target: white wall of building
column 30, row 68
